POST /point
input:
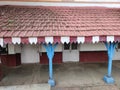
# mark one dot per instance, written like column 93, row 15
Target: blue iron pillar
column 110, row 51
column 50, row 48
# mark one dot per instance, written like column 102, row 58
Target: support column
column 50, row 53
column 110, row 50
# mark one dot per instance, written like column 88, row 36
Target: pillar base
column 51, row 82
column 108, row 80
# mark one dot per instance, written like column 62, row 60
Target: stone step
column 26, row 87
column 102, row 87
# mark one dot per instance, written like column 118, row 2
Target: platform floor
column 27, row 87
column 70, row 75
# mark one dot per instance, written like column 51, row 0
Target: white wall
column 57, row 49
column 30, row 54
column 71, row 56
column 98, row 47
column 92, row 47
column 11, row 49
column 116, row 55
column 18, row 48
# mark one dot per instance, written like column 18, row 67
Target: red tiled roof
column 58, row 21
